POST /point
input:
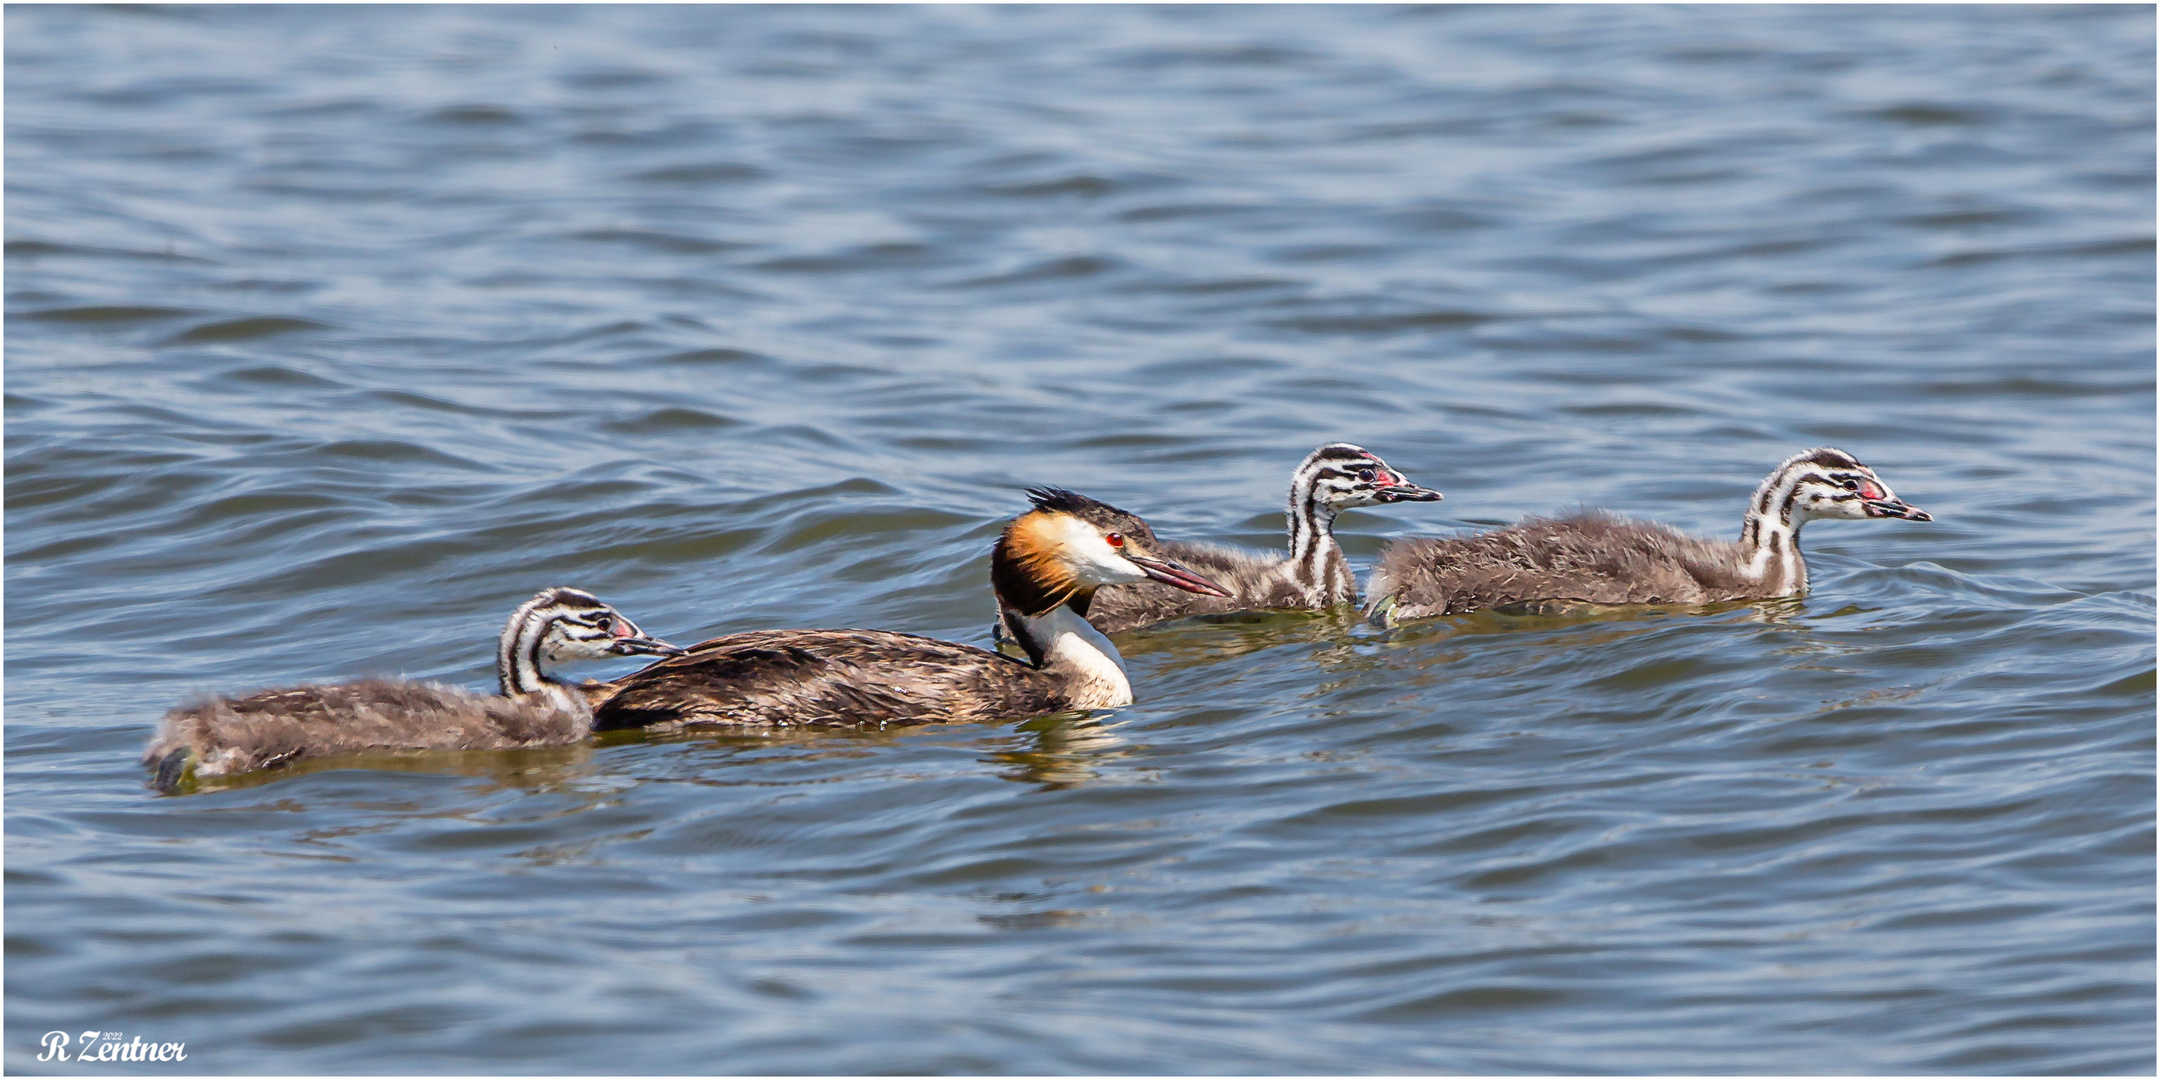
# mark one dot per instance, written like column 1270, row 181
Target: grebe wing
column 825, row 678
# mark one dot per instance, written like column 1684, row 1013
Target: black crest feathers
column 1070, row 502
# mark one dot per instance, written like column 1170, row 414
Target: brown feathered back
column 827, row 678
column 1591, row 558
column 224, row 736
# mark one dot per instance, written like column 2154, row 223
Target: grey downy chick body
column 230, row 735
column 1595, row 558
column 1047, row 567
column 1312, row 575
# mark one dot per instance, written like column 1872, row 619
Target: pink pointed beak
column 1170, row 573
column 631, row 641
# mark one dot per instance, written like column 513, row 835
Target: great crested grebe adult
column 1594, row 558
column 235, row 735
column 1313, row 575
column 1045, row 570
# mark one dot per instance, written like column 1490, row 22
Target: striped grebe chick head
column 580, row 627
column 1340, row 476
column 1828, row 483
column 561, row 626
column 1070, row 545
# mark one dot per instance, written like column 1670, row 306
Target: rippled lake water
column 333, row 333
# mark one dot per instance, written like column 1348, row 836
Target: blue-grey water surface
column 333, row 333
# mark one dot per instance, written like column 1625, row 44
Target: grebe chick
column 235, row 735
column 1314, row 575
column 1594, row 558
column 1045, row 570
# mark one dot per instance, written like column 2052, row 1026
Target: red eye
column 1115, row 540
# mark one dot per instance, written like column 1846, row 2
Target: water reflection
column 1034, row 920
column 540, row 769
column 1060, row 751
column 1056, row 751
column 734, row 748
column 1210, row 638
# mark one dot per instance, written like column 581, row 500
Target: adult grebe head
column 1069, row 545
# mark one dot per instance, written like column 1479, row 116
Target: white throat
column 1775, row 560
column 1085, row 658
column 555, row 694
column 1771, row 535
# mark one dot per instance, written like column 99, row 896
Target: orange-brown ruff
column 1594, row 558
column 1045, row 569
column 228, row 735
